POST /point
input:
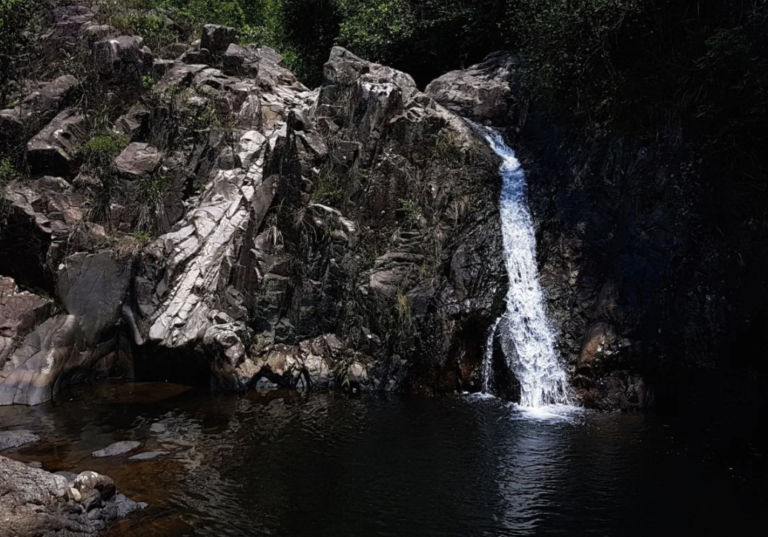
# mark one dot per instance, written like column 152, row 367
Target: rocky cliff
column 200, row 216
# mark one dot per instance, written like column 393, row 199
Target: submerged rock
column 18, row 438
column 118, row 448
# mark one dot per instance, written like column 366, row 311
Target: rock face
column 36, row 502
column 14, row 439
column 237, row 270
column 253, row 233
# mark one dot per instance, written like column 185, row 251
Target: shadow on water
column 289, row 464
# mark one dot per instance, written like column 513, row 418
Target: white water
column 526, row 337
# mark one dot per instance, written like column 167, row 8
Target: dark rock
column 122, row 60
column 483, row 92
column 20, row 312
column 135, row 123
column 93, row 287
column 217, row 38
column 118, row 448
column 138, row 160
column 18, row 438
column 53, row 149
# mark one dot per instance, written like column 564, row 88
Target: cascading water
column 526, row 337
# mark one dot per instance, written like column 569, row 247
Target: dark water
column 294, row 465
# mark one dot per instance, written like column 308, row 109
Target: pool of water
column 289, row 464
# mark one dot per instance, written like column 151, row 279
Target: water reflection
column 295, row 465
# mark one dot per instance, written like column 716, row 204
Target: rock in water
column 118, row 448
column 36, row 502
column 14, row 439
column 148, row 456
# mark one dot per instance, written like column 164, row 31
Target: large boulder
column 53, row 149
column 36, row 502
column 122, row 60
column 485, row 92
column 217, row 38
column 93, row 287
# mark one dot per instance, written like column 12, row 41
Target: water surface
column 322, row 464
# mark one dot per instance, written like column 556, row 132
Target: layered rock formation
column 235, row 229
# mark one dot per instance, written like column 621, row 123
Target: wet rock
column 118, row 448
column 36, row 502
column 53, row 149
column 217, row 38
column 138, row 160
column 482, row 92
column 596, row 344
column 149, row 455
column 18, row 438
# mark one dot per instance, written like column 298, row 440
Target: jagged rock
column 118, row 448
column 597, row 340
column 482, row 92
column 217, row 38
column 93, row 288
column 135, row 123
column 122, row 60
column 195, row 56
column 36, row 502
column 54, row 148
column 18, row 438
column 138, row 160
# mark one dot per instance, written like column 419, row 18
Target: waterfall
column 526, row 337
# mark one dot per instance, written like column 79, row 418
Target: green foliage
column 142, row 237
column 328, row 190
column 200, row 12
column 17, row 18
column 411, row 211
column 100, row 151
column 147, row 82
column 7, row 172
column 157, row 31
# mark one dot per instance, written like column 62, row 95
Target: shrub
column 100, row 151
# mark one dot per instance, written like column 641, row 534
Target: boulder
column 217, row 38
column 93, row 287
column 49, row 99
column 15, row 439
column 122, row 60
column 36, row 502
column 53, row 149
column 485, row 92
column 137, row 160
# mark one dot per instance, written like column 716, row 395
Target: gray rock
column 93, row 287
column 36, row 502
column 138, row 160
column 134, row 123
column 122, row 60
column 483, row 92
column 148, row 456
column 18, row 438
column 20, row 312
column 53, row 148
column 217, row 38
column 52, row 352
column 118, row 448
